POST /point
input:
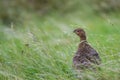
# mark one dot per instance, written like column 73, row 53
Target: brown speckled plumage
column 85, row 55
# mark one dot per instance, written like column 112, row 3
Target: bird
column 86, row 56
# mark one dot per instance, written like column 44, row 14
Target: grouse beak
column 74, row 31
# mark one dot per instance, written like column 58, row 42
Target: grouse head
column 81, row 33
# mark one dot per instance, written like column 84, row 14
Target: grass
column 43, row 48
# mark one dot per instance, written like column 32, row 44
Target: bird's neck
column 83, row 38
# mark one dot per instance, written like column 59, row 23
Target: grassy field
column 43, row 48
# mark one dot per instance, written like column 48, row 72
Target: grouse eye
column 78, row 31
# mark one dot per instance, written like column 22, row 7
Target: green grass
column 43, row 48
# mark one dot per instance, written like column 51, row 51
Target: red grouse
column 85, row 55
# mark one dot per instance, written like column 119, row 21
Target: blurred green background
column 37, row 40
column 14, row 11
